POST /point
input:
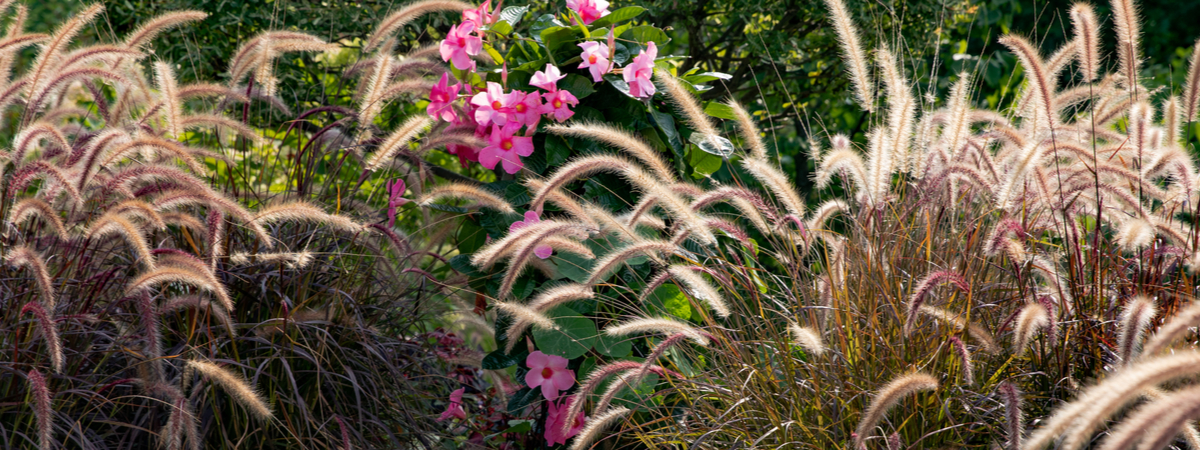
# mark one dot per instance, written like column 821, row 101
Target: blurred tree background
column 781, row 56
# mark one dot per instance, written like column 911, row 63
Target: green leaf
column 557, row 151
column 614, row 346
column 666, row 124
column 703, row 163
column 645, row 34
column 712, row 144
column 578, row 85
column 541, row 24
column 575, row 334
column 501, row 27
column 572, row 266
column 670, row 299
column 620, row 15
column 555, row 37
column 720, row 111
column 499, row 360
column 706, row 77
column 521, row 399
column 493, row 53
column 513, row 14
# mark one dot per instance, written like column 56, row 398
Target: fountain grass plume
column 777, row 183
column 1033, row 316
column 408, row 13
column 1172, row 329
column 299, row 211
column 597, row 425
column 964, row 356
column 32, row 207
column 925, row 286
column 658, row 325
column 619, row 139
column 398, row 141
column 39, row 393
column 1087, row 40
column 111, row 223
column 807, row 338
column 852, row 53
column 1129, row 35
column 235, row 385
column 1134, row 320
column 24, row 256
column 460, row 190
column 1014, row 420
column 887, row 397
column 981, row 335
column 609, row 263
column 700, row 288
column 49, row 330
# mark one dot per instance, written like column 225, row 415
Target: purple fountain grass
column 887, row 397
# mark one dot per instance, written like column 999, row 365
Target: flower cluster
column 508, row 118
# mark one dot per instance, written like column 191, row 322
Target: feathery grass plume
column 1134, row 320
column 879, row 167
column 45, row 171
column 619, row 139
column 23, row 256
column 525, row 238
column 747, row 202
column 460, row 190
column 258, row 55
column 596, row 425
column 1191, row 90
column 111, row 223
column 846, row 162
column 1078, row 418
column 748, row 131
column 560, row 244
column 1176, row 326
column 852, row 53
column 968, row 367
column 1041, row 81
column 179, row 274
column 51, row 52
column 686, row 103
column 958, row 128
column 525, row 314
column 1170, row 122
column 32, row 134
column 149, row 30
column 1134, row 234
column 778, row 183
column 408, row 13
column 901, row 111
column 562, row 201
column 1016, row 178
column 700, row 288
column 1015, row 422
column 31, row 207
column 807, row 338
column 49, row 330
column 1158, row 423
column 1032, row 317
column 172, row 109
column 210, row 120
column 526, row 247
column 195, row 302
column 186, row 261
column 1087, row 40
column 300, row 211
column 372, row 96
column 609, row 263
column 291, row 260
column 543, row 302
column 657, row 325
column 39, row 392
column 977, row 332
column 887, row 397
column 397, row 142
column 1129, row 34
column 925, row 286
column 235, row 385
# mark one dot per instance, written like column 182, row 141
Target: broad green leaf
column 555, row 37
column 720, row 111
column 501, row 27
column 671, row 300
column 712, row 144
column 541, row 24
column 620, row 15
column 645, row 34
column 557, row 151
column 578, row 85
column 513, row 14
column 706, row 77
column 493, row 53
column 499, row 360
column 703, row 163
column 523, row 398
column 572, row 266
column 575, row 334
column 614, row 346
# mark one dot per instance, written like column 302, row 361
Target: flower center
column 497, row 105
column 547, row 372
column 521, row 108
column 507, row 145
column 592, row 59
column 557, row 103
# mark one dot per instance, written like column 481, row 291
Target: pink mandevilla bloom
column 504, row 146
column 455, row 409
column 441, row 100
column 556, row 417
column 465, row 153
column 638, row 74
column 531, row 217
column 588, row 10
column 595, row 59
column 547, row 80
column 395, row 200
column 493, row 105
column 550, row 372
column 526, row 108
column 559, row 104
column 479, row 16
column 460, row 45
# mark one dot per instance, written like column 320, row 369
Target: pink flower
column 588, row 10
column 465, row 153
column 479, row 16
column 550, row 372
column 526, row 108
column 639, row 72
column 556, row 418
column 395, row 200
column 546, row 80
column 504, row 146
column 559, row 103
column 493, row 105
column 460, row 45
column 531, row 217
column 454, row 409
column 595, row 59
column 441, row 100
